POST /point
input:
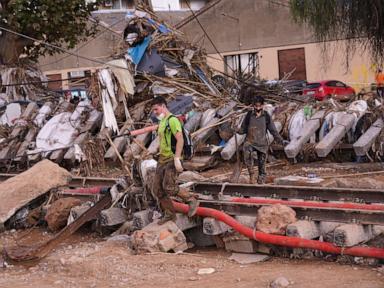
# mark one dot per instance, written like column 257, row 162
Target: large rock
column 363, row 183
column 58, row 212
column 29, row 185
column 274, row 219
column 163, row 238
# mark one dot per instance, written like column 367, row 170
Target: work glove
column 178, row 166
column 285, row 142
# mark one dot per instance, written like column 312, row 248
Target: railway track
column 361, row 206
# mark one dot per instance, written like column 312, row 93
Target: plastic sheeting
column 11, row 114
column 108, row 97
column 137, row 52
column 61, row 130
column 123, row 75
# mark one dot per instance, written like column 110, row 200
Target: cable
column 86, row 43
column 61, row 49
column 119, row 67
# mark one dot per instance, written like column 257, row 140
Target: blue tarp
column 138, row 51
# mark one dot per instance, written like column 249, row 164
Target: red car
column 331, row 88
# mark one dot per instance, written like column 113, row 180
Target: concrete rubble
column 274, row 219
column 159, row 238
column 89, row 138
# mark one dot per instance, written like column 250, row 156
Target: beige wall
column 319, row 65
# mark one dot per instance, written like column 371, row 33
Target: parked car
column 330, row 88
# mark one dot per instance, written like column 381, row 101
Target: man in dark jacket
column 256, row 124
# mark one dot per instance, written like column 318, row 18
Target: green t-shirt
column 166, row 153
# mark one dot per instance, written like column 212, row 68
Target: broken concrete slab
column 113, row 216
column 211, row 226
column 230, row 148
column 184, row 222
column 349, row 235
column 274, row 219
column 249, row 221
column 364, row 143
column 309, row 129
column 142, row 218
column 58, row 212
column 244, row 258
column 345, row 123
column 20, row 190
column 303, row 229
column 159, row 238
column 239, row 243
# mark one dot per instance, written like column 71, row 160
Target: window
column 79, row 79
column 195, row 4
column 242, row 65
column 118, row 4
column 340, row 84
column 312, row 85
column 331, row 84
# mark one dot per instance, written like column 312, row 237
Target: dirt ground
column 86, row 261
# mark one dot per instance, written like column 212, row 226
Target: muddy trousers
column 249, row 156
column 165, row 187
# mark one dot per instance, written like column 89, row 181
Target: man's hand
column 178, row 166
column 285, row 142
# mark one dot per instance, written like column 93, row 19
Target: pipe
column 293, row 242
column 311, row 204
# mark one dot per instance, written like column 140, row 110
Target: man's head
column 258, row 103
column 159, row 107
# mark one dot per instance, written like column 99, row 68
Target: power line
column 61, row 49
column 206, row 34
column 86, row 43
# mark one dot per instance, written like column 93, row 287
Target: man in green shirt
column 169, row 164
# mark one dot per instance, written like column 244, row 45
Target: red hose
column 293, row 242
column 371, row 207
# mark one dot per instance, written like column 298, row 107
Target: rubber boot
column 252, row 177
column 193, row 205
column 168, row 211
column 187, row 197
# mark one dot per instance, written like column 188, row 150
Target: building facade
column 256, row 37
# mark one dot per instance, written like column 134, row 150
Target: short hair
column 258, row 99
column 159, row 100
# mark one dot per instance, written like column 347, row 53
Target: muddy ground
column 87, row 261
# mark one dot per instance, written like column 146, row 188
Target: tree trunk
column 11, row 47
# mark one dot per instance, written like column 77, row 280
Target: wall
column 319, row 65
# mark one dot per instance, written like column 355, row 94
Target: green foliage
column 359, row 22
column 59, row 22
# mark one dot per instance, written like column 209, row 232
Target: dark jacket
column 256, row 128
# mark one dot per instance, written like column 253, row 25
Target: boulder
column 159, row 238
column 58, row 212
column 274, row 219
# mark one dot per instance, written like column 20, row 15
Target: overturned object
column 163, row 238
